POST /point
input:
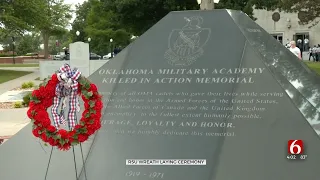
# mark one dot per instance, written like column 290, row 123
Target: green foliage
column 102, row 20
column 31, row 84
column 17, row 105
column 54, row 22
column 49, row 17
column 27, row 85
column 26, row 99
column 100, row 24
column 137, row 16
column 80, row 22
column 28, row 44
column 24, row 85
column 20, row 15
column 63, row 41
column 307, row 11
column 6, row 55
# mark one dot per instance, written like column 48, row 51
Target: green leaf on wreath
column 83, row 123
column 44, row 83
column 74, row 143
column 55, row 137
column 90, row 93
column 87, row 115
column 39, row 132
column 83, row 130
column 92, row 104
column 45, row 144
column 92, row 111
column 82, row 81
column 87, row 86
column 58, row 136
column 33, row 112
column 91, row 121
column 62, row 142
column 75, row 136
column 34, row 99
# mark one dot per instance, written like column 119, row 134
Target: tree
column 54, row 21
column 307, row 11
column 137, row 16
column 94, row 20
column 28, row 43
column 50, row 17
column 20, row 15
column 80, row 22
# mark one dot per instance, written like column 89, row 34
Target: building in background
column 286, row 27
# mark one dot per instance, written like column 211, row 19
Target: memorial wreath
column 66, row 83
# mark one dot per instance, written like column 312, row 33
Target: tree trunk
column 46, row 44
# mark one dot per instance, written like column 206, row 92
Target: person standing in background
column 314, row 53
column 318, row 52
column 310, row 54
column 299, row 44
column 306, row 44
column 294, row 49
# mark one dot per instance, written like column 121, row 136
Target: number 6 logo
column 295, row 147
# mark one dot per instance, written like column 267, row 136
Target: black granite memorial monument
column 210, row 88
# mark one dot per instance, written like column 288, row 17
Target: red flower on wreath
column 90, row 121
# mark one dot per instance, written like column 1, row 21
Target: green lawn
column 314, row 66
column 7, row 75
column 19, row 65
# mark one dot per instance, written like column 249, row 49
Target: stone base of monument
column 47, row 68
column 79, row 57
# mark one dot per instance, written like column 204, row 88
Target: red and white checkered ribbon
column 68, row 87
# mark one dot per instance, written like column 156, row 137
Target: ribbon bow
column 68, row 86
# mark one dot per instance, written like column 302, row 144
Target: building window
column 278, row 37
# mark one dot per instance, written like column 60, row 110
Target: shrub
column 24, row 85
column 26, row 99
column 6, row 55
column 27, row 85
column 17, row 105
column 31, row 84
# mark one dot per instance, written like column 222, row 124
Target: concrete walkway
column 12, row 121
column 7, row 86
